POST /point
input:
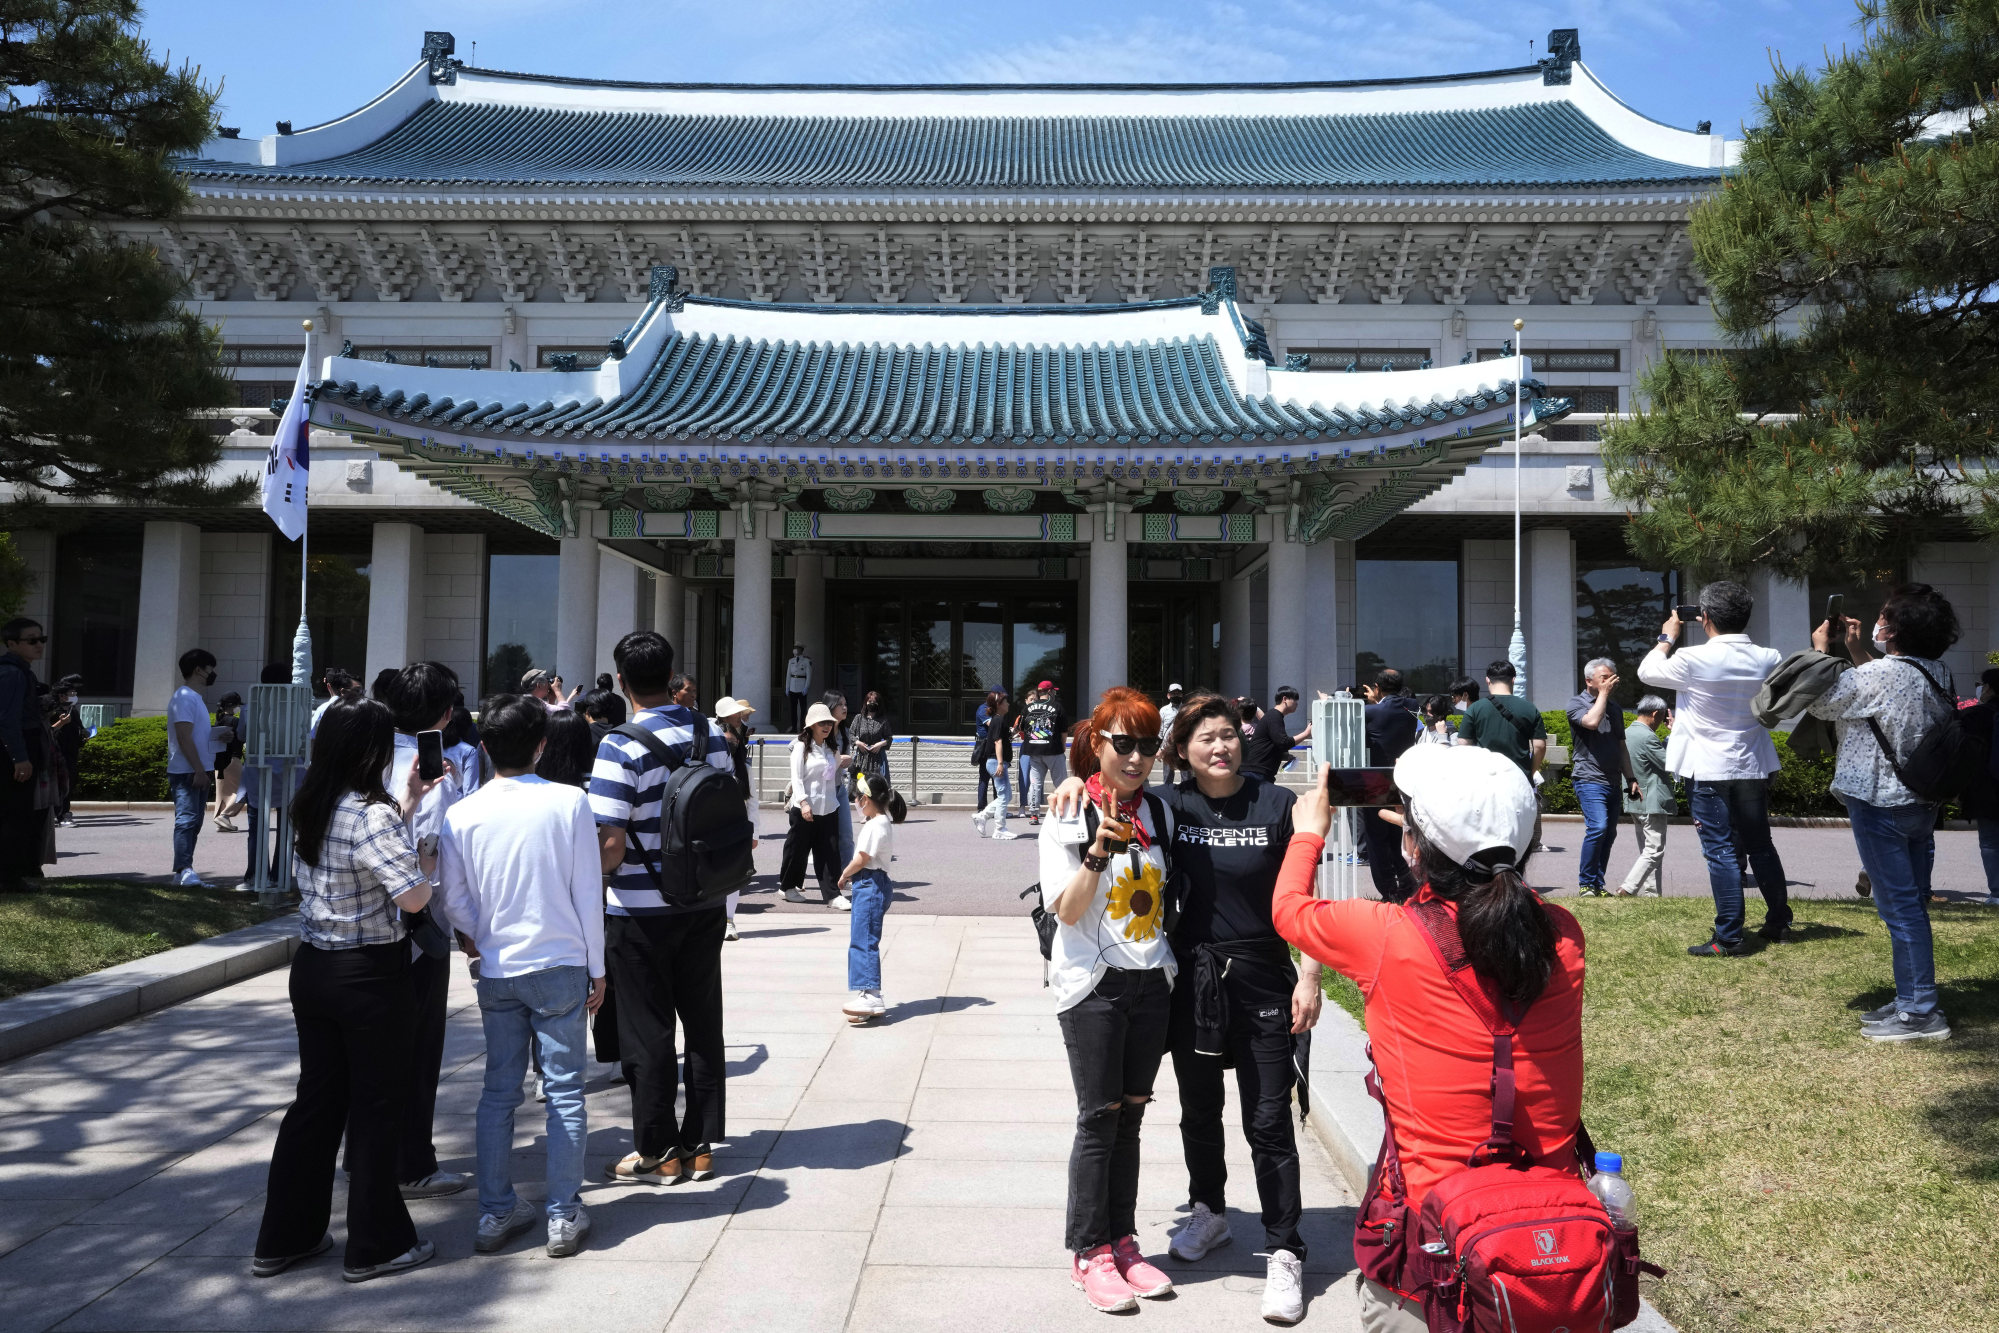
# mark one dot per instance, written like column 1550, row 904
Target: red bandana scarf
column 1127, row 809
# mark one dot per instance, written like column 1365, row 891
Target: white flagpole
column 1516, row 651
column 302, row 640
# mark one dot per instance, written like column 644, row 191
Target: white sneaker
column 1989, row 900
column 729, row 931
column 1202, row 1231
column 436, row 1185
column 566, row 1234
column 979, row 823
column 865, row 1005
column 496, row 1229
column 1284, row 1288
column 187, row 879
column 841, row 903
column 1004, row 836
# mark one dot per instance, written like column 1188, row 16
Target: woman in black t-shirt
column 1239, row 999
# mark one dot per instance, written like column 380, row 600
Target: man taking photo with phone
column 1726, row 757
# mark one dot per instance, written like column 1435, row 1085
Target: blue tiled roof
column 1549, row 144
column 706, row 386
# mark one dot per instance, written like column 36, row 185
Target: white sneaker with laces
column 187, row 879
column 841, row 903
column 1284, row 1288
column 979, row 823
column 864, row 1005
column 566, row 1234
column 1203, row 1230
column 496, row 1229
column 1005, row 835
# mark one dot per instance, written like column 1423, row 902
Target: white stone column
column 1326, row 608
column 1550, row 617
column 1235, row 595
column 1109, row 631
column 617, row 616
column 1287, row 614
column 169, row 613
column 395, row 598
column 577, row 566
column 750, row 647
column 689, row 649
column 808, row 621
column 669, row 613
column 1784, row 616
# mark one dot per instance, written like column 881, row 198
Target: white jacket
column 1715, row 735
column 815, row 778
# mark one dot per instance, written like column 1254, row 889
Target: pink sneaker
column 1143, row 1279
column 1095, row 1273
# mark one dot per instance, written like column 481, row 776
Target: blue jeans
column 1599, row 802
column 1733, row 817
column 547, row 1008
column 846, row 828
column 1897, row 845
column 864, row 929
column 190, row 804
column 1988, row 852
column 1002, row 791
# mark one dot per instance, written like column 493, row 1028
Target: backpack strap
column 657, row 749
column 1391, row 1160
column 1881, row 737
column 1500, row 1018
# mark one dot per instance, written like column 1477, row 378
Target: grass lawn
column 1790, row 1174
column 71, row 927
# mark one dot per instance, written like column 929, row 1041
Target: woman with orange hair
column 1103, row 877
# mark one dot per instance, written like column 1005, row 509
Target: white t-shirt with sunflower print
column 1124, row 924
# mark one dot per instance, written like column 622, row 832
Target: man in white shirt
column 191, row 747
column 518, row 864
column 420, row 697
column 797, row 684
column 1726, row 757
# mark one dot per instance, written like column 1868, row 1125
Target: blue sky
column 1679, row 61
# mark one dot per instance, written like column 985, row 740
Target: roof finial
column 1565, row 48
column 437, row 49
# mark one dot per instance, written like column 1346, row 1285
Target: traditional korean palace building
column 960, row 386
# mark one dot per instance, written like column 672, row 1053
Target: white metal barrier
column 1339, row 740
column 277, row 726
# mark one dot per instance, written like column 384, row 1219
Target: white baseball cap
column 1171, row 688
column 1467, row 800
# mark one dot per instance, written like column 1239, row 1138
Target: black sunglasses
column 37, row 640
column 1123, row 744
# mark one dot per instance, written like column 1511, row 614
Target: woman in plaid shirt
column 357, row 871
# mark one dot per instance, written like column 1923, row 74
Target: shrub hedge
column 125, row 761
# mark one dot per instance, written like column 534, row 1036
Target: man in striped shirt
column 664, row 961
column 1727, row 758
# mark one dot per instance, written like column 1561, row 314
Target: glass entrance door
column 934, row 655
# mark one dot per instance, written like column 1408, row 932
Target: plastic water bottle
column 1610, row 1186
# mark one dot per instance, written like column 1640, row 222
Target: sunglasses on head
column 1123, row 744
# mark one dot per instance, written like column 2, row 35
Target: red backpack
column 1502, row 1246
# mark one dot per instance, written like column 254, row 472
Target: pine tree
column 99, row 366
column 1867, row 203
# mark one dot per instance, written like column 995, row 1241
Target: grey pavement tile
column 736, row 1290
column 972, row 1022
column 18, row 1226
column 457, row 1290
column 75, row 1174
column 919, row 1299
column 143, row 1130
column 973, row 1075
column 972, row 1140
column 64, row 1269
column 830, row 1112
column 805, row 1199
column 84, row 1096
column 784, row 1045
column 201, row 1187
column 924, row 1183
column 1048, row 1106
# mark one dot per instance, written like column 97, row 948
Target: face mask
column 1880, row 642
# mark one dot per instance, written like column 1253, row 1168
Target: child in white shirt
column 866, row 877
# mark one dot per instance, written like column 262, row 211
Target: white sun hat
column 1467, row 800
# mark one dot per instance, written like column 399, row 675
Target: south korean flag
column 288, row 467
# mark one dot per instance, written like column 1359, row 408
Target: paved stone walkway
column 908, row 1175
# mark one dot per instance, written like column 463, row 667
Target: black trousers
column 668, row 968
column 1116, row 1037
column 430, row 979
column 1259, row 1046
column 819, row 835
column 1392, row 878
column 23, row 832
column 352, row 1008
column 798, row 710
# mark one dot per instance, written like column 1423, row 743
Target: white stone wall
column 454, row 594
column 1485, row 583
column 235, row 607
column 1964, row 573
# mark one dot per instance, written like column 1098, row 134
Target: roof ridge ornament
column 1565, row 48
column 437, row 53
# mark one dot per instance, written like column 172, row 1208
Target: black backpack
column 705, row 830
column 1948, row 760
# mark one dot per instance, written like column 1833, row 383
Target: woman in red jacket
column 1467, row 821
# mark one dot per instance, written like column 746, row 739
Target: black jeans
column 819, row 835
column 1259, row 1045
column 352, row 1008
column 23, row 833
column 430, row 979
column 1116, row 1036
column 668, row 968
column 1392, row 878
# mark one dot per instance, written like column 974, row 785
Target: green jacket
column 1648, row 762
